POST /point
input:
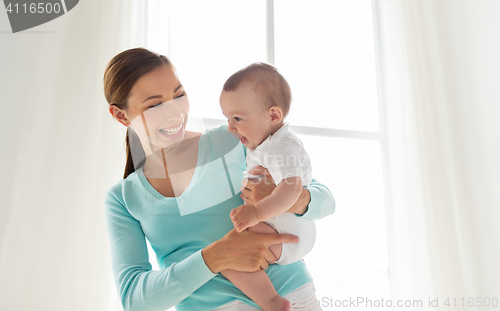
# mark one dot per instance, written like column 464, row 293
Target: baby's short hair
column 266, row 82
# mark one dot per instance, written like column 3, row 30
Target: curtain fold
column 439, row 73
column 61, row 151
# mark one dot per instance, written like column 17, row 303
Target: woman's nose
column 172, row 112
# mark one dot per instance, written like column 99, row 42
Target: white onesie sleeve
column 283, row 155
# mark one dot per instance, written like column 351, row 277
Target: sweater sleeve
column 322, row 202
column 139, row 287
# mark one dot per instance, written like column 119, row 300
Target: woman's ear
column 276, row 114
column 119, row 115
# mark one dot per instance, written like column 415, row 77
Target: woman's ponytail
column 135, row 154
column 129, row 167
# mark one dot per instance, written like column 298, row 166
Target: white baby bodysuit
column 284, row 156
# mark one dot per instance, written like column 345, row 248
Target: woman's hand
column 246, row 251
column 253, row 191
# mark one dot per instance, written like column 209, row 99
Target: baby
column 255, row 100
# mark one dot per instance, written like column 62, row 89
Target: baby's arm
column 279, row 201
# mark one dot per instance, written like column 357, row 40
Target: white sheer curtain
column 61, row 151
column 439, row 73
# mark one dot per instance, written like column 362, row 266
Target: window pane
column 325, row 50
column 209, row 41
column 350, row 257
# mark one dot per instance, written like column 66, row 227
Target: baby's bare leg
column 257, row 285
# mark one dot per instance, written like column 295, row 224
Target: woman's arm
column 315, row 202
column 321, row 202
column 139, row 287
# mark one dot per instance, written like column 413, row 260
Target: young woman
column 178, row 190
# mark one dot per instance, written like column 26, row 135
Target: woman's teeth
column 172, row 130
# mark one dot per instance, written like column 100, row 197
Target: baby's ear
column 276, row 114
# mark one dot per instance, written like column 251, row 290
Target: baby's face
column 247, row 119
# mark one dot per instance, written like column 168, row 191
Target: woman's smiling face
column 158, row 109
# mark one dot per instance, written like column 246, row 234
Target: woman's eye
column 181, row 95
column 155, row 105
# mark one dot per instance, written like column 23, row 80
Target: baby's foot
column 278, row 303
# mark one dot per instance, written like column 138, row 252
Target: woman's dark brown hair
column 122, row 72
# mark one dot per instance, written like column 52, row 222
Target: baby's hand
column 244, row 216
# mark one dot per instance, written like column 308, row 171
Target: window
column 325, row 49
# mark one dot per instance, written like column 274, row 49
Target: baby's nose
column 231, row 128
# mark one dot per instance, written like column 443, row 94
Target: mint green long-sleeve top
column 179, row 228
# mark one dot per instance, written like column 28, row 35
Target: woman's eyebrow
column 159, row 96
column 152, row 97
